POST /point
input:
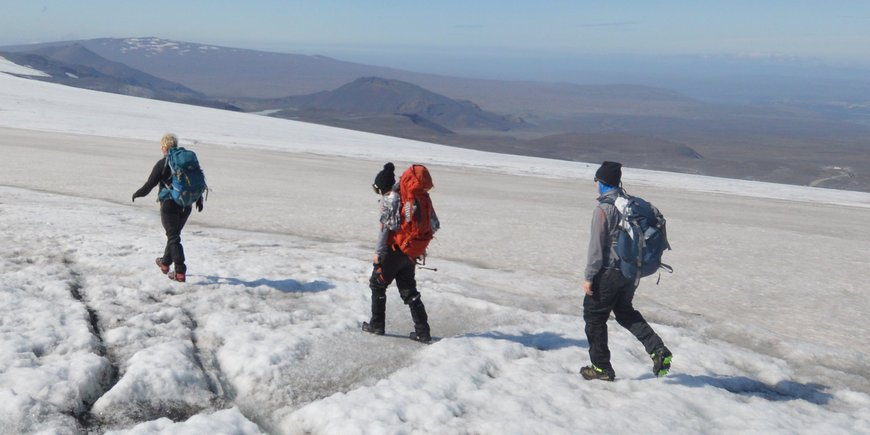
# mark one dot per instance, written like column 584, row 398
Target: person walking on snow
column 172, row 215
column 390, row 263
column 607, row 290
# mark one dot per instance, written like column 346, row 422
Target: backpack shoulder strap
column 170, row 157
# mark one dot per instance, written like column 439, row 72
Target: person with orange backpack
column 408, row 222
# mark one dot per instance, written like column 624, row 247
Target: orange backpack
column 415, row 230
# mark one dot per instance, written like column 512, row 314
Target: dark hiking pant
column 614, row 292
column 397, row 266
column 173, row 217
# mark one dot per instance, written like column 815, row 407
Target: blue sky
column 702, row 47
column 828, row 29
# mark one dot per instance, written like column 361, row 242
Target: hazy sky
column 831, row 29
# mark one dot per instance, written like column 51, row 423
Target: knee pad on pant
column 409, row 296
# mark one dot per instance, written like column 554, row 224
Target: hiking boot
column 422, row 338
column 367, row 327
column 177, row 276
column 661, row 362
column 163, row 267
column 591, row 372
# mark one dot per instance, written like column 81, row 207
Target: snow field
column 264, row 337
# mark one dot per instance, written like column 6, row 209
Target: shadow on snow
column 540, row 341
column 782, row 391
column 741, row 385
column 283, row 285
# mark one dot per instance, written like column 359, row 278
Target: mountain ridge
column 380, row 96
column 75, row 65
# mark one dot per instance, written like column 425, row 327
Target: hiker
column 173, row 212
column 392, row 262
column 607, row 289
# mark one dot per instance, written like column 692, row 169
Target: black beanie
column 610, row 173
column 385, row 179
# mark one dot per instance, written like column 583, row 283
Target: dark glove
column 134, row 197
column 199, row 205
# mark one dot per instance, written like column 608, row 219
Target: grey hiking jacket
column 602, row 237
column 391, row 205
column 391, row 219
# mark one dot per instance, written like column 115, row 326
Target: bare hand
column 587, row 288
column 377, row 259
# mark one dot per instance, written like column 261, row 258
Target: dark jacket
column 160, row 175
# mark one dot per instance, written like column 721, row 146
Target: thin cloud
column 608, row 24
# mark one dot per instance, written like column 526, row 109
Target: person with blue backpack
column 627, row 239
column 182, row 185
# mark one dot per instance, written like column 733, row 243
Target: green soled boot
column 591, row 372
column 661, row 362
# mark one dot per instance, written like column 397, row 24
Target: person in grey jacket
column 390, row 263
column 607, row 290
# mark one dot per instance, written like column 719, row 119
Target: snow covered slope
column 9, row 67
column 761, row 313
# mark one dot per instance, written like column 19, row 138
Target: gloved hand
column 134, row 197
column 199, row 205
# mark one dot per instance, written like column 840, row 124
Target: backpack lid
column 416, row 180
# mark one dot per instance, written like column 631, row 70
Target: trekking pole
column 421, row 264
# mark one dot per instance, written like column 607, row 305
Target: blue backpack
column 188, row 181
column 642, row 239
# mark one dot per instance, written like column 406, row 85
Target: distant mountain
column 232, row 73
column 396, row 125
column 75, row 65
column 379, row 96
column 78, row 55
